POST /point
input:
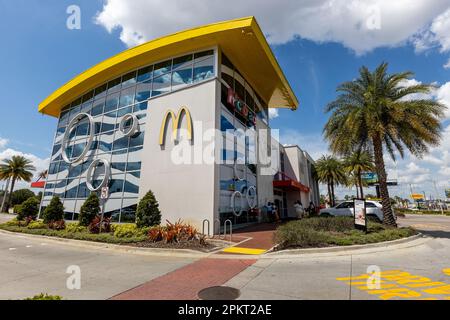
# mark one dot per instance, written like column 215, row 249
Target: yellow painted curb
column 446, row 271
column 244, row 250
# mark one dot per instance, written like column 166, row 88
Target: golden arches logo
column 176, row 123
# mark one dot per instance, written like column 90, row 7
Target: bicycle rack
column 209, row 228
column 214, row 229
column 225, row 229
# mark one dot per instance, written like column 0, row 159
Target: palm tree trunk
column 357, row 190
column 13, row 182
column 332, row 193
column 361, row 192
column 329, row 193
column 5, row 195
column 388, row 218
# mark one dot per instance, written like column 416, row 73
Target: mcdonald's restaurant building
column 119, row 121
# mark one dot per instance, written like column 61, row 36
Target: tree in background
column 330, row 172
column 89, row 210
column 148, row 213
column 54, row 211
column 376, row 112
column 355, row 164
column 20, row 196
column 17, row 168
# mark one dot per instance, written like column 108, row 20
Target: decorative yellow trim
column 239, row 250
column 241, row 39
column 175, row 124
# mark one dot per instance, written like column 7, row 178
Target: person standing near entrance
column 299, row 210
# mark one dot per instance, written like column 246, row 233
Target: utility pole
column 437, row 196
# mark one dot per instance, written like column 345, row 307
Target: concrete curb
column 412, row 241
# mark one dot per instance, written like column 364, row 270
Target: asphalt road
column 31, row 266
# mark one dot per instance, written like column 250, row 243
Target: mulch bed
column 191, row 245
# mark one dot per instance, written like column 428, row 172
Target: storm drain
column 219, row 293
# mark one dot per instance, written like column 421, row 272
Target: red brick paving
column 186, row 282
column 261, row 234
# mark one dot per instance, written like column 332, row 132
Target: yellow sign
column 417, row 196
column 176, row 123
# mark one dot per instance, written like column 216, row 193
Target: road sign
column 104, row 193
column 417, row 196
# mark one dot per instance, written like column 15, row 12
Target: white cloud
column 442, row 94
column 273, row 113
column 447, row 65
column 311, row 143
column 40, row 164
column 3, row 142
column 358, row 25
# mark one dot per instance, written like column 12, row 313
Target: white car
column 373, row 209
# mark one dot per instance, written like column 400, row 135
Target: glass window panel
column 78, row 149
column 143, row 91
column 133, row 166
column 56, row 149
column 162, row 68
column 204, row 70
column 127, row 97
column 73, row 112
column 100, row 91
column 227, row 62
column 228, row 79
column 111, row 102
column 114, row 85
column 239, row 88
column 88, row 96
column 109, row 121
column 121, row 143
column 83, row 191
column 124, row 111
column 129, row 79
column 161, row 85
column 140, row 107
column 75, row 171
column 97, row 109
column 203, row 54
column 131, row 186
column 53, row 169
column 98, row 125
column 82, row 128
column 137, row 140
column 136, row 174
column 181, row 78
column 145, row 74
column 129, row 208
column 116, row 185
column 105, row 142
column 60, row 132
column 182, row 62
column 86, row 107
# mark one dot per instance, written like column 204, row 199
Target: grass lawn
column 337, row 231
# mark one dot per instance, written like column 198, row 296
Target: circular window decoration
column 251, row 197
column 235, row 195
column 236, row 171
column 129, row 125
column 72, row 125
column 89, row 176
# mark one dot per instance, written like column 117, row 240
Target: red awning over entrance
column 282, row 181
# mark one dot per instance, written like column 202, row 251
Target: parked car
column 373, row 209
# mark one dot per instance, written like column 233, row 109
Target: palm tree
column 16, row 169
column 376, row 112
column 3, row 176
column 43, row 175
column 330, row 172
column 356, row 163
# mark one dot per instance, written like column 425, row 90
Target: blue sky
column 318, row 50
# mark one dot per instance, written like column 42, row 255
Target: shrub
column 173, row 232
column 30, row 208
column 20, row 196
column 57, row 225
column 18, row 209
column 43, row 296
column 89, row 210
column 54, row 211
column 127, row 231
column 148, row 213
column 75, row 228
column 94, row 226
column 36, row 225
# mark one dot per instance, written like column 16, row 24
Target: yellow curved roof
column 241, row 40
